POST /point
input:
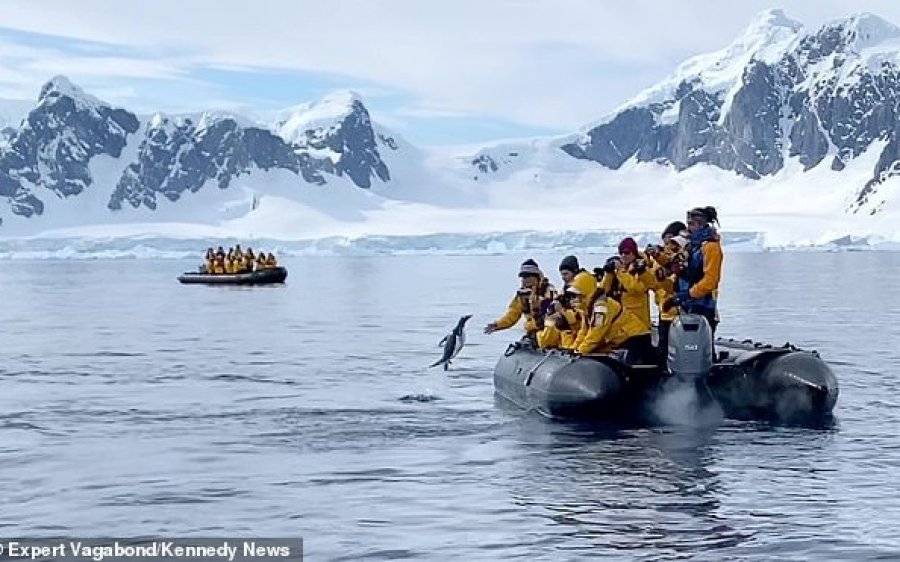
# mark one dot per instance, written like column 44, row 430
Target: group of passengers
column 237, row 260
column 610, row 308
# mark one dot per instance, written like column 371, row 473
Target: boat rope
column 535, row 368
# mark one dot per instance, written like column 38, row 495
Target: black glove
column 640, row 266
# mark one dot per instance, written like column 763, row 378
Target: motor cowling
column 690, row 354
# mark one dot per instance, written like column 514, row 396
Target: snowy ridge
column 790, row 133
column 293, row 123
column 766, row 39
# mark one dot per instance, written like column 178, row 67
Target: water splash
column 686, row 403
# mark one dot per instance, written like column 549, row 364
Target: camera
column 640, row 266
column 611, row 264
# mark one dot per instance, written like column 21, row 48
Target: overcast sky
column 438, row 72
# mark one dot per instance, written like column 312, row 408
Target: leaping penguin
column 453, row 343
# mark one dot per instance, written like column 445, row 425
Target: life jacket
column 693, row 272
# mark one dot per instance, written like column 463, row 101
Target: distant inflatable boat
column 268, row 276
column 748, row 380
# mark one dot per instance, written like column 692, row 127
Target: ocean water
column 132, row 405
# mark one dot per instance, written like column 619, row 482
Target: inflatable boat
column 748, row 380
column 260, row 277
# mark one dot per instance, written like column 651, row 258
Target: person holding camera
column 666, row 260
column 563, row 321
column 532, row 300
column 628, row 279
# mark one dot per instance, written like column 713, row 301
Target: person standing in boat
column 629, row 279
column 531, row 301
column 697, row 287
column 662, row 258
column 612, row 326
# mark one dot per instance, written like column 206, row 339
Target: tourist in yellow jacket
column 209, row 261
column 563, row 321
column 612, row 326
column 629, row 280
column 531, row 301
column 575, row 276
column 664, row 258
column 249, row 259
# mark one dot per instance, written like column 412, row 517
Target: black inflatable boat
column 260, row 277
column 748, row 380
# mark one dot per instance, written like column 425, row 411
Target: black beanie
column 529, row 267
column 569, row 263
column 674, row 228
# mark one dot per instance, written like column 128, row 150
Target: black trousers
column 662, row 345
column 639, row 350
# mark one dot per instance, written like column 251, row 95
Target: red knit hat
column 628, row 245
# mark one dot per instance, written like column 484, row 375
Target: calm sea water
column 132, row 405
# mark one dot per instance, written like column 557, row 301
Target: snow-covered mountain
column 790, row 132
column 53, row 152
column 778, row 92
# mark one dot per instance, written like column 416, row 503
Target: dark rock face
column 177, row 157
column 820, row 97
column 53, row 149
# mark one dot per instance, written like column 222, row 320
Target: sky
column 438, row 72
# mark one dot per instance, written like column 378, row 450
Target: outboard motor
column 690, row 354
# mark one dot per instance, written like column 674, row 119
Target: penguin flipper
column 443, row 341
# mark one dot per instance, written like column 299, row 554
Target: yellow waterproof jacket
column 229, row 266
column 635, row 292
column 560, row 330
column 662, row 289
column 609, row 326
column 528, row 306
column 271, row 262
column 587, row 284
column 712, row 271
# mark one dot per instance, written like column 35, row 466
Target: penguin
column 453, row 343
